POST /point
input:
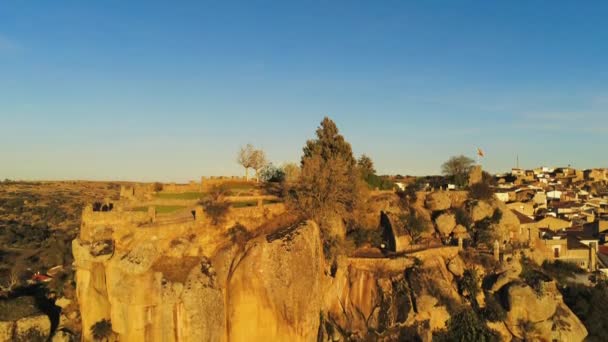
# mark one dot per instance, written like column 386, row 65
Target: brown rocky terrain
column 195, row 281
column 38, row 221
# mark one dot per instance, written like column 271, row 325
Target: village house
column 553, row 223
column 526, row 208
column 567, row 246
column 527, row 228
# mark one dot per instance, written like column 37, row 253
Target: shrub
column 411, row 189
column 481, row 191
column 532, row 276
column 377, row 182
column 493, row 311
column 560, row 270
column 497, row 216
column 102, row 330
column 466, row 326
column 272, row 174
column 469, row 284
column 158, row 186
column 215, row 206
column 414, row 225
column 361, row 236
column 463, row 218
column 239, row 234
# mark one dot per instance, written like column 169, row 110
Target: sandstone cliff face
column 374, row 299
column 269, row 289
column 275, row 289
column 534, row 316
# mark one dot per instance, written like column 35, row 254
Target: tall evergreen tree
column 330, row 184
column 329, row 144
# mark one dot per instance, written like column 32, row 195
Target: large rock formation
column 437, row 201
column 445, row 223
column 268, row 289
column 368, row 299
column 275, row 291
column 532, row 315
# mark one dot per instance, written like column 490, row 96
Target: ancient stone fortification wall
column 181, row 188
column 209, row 182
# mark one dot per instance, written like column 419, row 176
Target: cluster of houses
column 563, row 212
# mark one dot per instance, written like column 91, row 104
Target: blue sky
column 169, row 91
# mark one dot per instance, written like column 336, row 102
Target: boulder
column 509, row 273
column 456, row 266
column 63, row 336
column 32, row 328
column 7, row 328
column 501, row 329
column 445, row 223
column 481, row 210
column 437, row 201
column 429, row 309
column 63, row 302
column 542, row 311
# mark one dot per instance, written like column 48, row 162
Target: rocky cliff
column 271, row 288
column 163, row 284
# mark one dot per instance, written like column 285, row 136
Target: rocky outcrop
column 510, row 271
column 445, row 223
column 438, row 201
column 481, row 210
column 31, row 329
column 545, row 315
column 475, row 175
column 456, row 267
column 275, row 291
column 375, row 297
column 22, row 320
column 270, row 288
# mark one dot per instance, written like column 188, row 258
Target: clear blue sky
column 169, row 91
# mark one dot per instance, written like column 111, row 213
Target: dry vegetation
column 38, row 221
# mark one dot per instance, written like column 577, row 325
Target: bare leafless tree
column 244, row 158
column 258, row 161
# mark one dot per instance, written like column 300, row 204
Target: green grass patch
column 181, row 196
column 270, row 201
column 161, row 209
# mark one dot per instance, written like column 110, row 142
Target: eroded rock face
column 543, row 315
column 475, row 175
column 481, row 210
column 31, row 329
column 363, row 299
column 445, row 223
column 275, row 291
column 437, row 201
column 268, row 289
